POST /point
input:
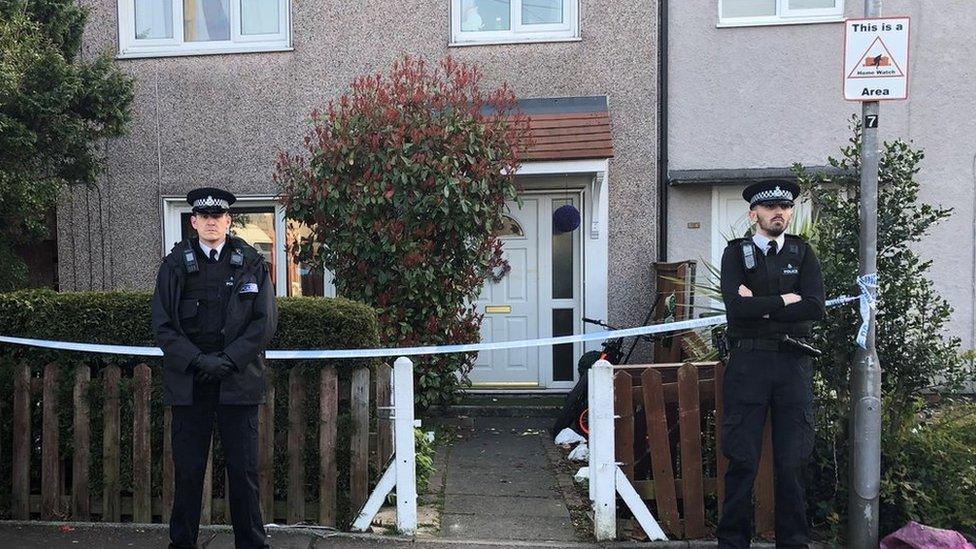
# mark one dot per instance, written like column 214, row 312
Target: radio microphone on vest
column 190, row 259
column 749, row 255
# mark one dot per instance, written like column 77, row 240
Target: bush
column 916, row 355
column 425, row 451
column 124, row 319
column 403, row 184
column 57, row 109
column 930, row 469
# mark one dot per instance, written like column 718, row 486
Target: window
column 510, row 227
column 261, row 223
column 506, row 21
column 150, row 28
column 742, row 13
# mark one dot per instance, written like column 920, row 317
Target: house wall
column 770, row 96
column 220, row 120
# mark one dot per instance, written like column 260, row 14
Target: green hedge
column 123, row 318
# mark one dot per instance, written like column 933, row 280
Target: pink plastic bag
column 917, row 536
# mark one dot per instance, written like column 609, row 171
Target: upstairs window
column 507, row 21
column 743, row 13
column 151, row 28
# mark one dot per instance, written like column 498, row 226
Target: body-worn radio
column 749, row 255
column 190, row 259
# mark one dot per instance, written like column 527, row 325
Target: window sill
column 143, row 53
column 510, row 41
column 779, row 22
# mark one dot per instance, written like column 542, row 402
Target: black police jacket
column 250, row 324
column 794, row 269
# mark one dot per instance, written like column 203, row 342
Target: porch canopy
column 568, row 128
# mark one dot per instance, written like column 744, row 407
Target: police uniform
column 768, row 371
column 213, row 315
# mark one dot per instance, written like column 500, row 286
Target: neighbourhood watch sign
column 876, row 59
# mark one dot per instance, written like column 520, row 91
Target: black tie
column 771, row 248
column 213, row 255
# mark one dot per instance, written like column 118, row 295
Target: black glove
column 230, row 363
column 211, row 367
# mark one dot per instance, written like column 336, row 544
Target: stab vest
column 773, row 275
column 203, row 306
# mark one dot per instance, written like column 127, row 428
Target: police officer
column 773, row 291
column 213, row 314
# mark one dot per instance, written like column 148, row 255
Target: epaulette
column 795, row 244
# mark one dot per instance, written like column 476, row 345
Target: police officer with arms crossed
column 213, row 314
column 773, row 291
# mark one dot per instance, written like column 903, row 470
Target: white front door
column 541, row 296
column 511, row 306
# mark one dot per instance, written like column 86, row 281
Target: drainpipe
column 972, row 341
column 662, row 131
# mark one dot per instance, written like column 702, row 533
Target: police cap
column 777, row 191
column 210, row 200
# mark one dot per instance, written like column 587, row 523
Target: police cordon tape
column 869, row 299
column 404, row 351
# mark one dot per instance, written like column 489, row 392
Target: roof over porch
column 568, row 128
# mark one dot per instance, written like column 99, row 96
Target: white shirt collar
column 763, row 242
column 206, row 249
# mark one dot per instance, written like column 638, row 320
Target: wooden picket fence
column 679, row 409
column 75, row 502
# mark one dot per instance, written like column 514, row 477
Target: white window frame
column 567, row 31
column 785, row 16
column 132, row 47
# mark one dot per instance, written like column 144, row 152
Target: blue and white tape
column 869, row 299
column 310, row 354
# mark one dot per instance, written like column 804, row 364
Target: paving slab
column 504, row 483
column 487, row 441
column 500, row 484
column 500, row 461
column 499, row 423
column 508, row 507
column 484, row 526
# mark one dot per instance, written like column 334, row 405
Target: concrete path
column 500, row 485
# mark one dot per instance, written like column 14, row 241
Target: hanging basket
column 566, row 219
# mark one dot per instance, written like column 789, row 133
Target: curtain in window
column 748, row 8
column 812, row 4
column 542, row 11
column 259, row 17
column 486, row 15
column 154, row 19
column 206, row 20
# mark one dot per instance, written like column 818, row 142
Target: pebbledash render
column 669, row 109
column 222, row 85
column 769, row 93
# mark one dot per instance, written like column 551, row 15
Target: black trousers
column 757, row 382
column 192, row 432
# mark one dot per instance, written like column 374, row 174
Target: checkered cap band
column 772, row 195
column 210, row 202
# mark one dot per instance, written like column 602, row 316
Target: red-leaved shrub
column 403, row 182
